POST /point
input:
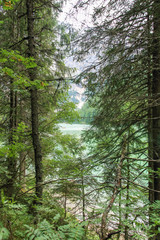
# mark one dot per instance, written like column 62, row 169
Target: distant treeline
column 86, row 114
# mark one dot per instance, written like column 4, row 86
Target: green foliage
column 16, row 57
column 20, row 223
column 18, row 211
column 14, row 216
column 8, row 4
column 44, row 231
column 154, row 218
column 11, row 62
column 17, row 145
column 4, row 233
column 115, row 86
column 115, row 83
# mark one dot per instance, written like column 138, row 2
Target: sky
column 76, row 18
column 79, row 18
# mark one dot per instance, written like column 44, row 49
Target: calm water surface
column 76, row 129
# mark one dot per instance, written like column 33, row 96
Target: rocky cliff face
column 76, row 94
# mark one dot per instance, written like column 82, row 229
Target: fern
column 45, row 231
column 73, row 231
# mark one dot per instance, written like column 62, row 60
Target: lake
column 73, row 129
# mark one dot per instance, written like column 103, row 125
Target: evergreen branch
column 19, row 42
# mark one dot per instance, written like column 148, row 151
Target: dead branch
column 110, row 234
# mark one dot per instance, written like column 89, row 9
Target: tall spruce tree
column 156, row 103
column 34, row 100
column 124, row 82
column 36, row 72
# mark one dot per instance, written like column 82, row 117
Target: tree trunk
column 156, row 100
column 120, row 211
column 150, row 123
column 11, row 158
column 83, row 198
column 127, row 199
column 126, row 230
column 36, row 144
column 22, row 155
column 34, row 103
column 22, row 173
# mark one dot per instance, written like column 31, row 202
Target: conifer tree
column 37, row 76
column 124, row 77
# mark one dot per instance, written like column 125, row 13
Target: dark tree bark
column 11, row 159
column 13, row 99
column 156, row 100
column 34, row 103
column 83, row 198
column 111, row 234
column 23, row 154
column 150, row 122
column 126, row 230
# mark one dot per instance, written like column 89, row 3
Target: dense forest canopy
column 104, row 184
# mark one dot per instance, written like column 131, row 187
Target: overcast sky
column 79, row 18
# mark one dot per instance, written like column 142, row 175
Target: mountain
column 76, row 94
